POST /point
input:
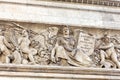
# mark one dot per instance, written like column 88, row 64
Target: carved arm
column 6, row 43
column 106, row 46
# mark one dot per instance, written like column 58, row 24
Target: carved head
column 105, row 39
column 2, row 31
column 24, row 33
column 66, row 31
column 53, row 31
column 44, row 54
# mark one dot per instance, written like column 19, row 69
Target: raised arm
column 6, row 43
column 106, row 46
column 19, row 41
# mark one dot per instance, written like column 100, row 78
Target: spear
column 21, row 27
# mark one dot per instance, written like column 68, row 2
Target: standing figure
column 4, row 45
column 66, row 53
column 107, row 51
column 24, row 44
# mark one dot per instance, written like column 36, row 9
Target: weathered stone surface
column 42, row 44
column 60, row 13
column 91, row 66
column 86, row 43
column 42, row 48
column 28, row 72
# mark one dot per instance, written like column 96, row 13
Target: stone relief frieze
column 58, row 46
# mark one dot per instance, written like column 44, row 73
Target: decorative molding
column 94, row 2
column 46, row 11
column 57, row 72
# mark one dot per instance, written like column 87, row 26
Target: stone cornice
column 23, row 10
column 62, row 5
column 112, row 3
column 94, row 2
column 58, row 72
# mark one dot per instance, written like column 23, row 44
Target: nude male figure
column 4, row 45
column 24, row 44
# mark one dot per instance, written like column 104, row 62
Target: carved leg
column 7, row 60
column 6, row 53
column 102, row 55
column 17, row 57
column 115, row 60
column 30, row 55
column 31, row 58
column 33, row 51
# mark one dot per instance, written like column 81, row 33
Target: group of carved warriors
column 51, row 48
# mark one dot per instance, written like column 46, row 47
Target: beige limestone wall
column 60, row 13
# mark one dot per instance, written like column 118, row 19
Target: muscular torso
column 25, row 42
column 110, row 50
column 67, row 43
column 2, row 45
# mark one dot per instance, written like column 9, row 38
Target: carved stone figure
column 80, row 48
column 44, row 43
column 66, row 53
column 16, row 54
column 107, row 51
column 24, row 44
column 4, row 45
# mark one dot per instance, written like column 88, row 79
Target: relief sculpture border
column 59, row 46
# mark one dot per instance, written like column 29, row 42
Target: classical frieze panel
column 56, row 45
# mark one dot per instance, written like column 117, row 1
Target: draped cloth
column 65, row 49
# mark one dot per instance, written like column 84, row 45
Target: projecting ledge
column 58, row 72
column 57, row 13
column 64, row 5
